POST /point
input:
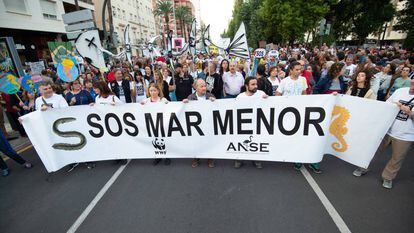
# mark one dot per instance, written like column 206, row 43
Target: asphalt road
column 178, row 198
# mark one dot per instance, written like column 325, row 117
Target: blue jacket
column 325, row 83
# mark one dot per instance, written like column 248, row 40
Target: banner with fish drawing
column 285, row 129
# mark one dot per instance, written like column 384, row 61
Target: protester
column 183, row 82
column 89, row 88
column 140, row 88
column 252, row 91
column 333, row 82
column 384, row 78
column 156, row 96
column 274, row 79
column 78, row 96
column 13, row 110
column 361, row 87
column 121, row 87
column 7, row 149
column 233, row 81
column 224, row 67
column 148, row 74
column 214, row 82
column 104, row 95
column 201, row 94
column 163, row 85
column 263, row 83
column 400, row 135
column 48, row 98
column 28, row 102
column 403, row 81
column 294, row 84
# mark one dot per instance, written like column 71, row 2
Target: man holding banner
column 400, row 135
column 48, row 98
column 251, row 86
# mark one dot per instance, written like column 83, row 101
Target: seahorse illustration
column 340, row 117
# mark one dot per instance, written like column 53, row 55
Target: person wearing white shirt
column 49, row 99
column 233, row 81
column 349, row 68
column 294, row 84
column 104, row 95
column 250, row 84
column 400, row 135
column 156, row 96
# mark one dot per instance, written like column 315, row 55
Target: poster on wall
column 9, row 58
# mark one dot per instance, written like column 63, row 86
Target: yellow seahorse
column 340, row 117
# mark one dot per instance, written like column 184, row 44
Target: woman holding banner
column 156, row 96
column 78, row 96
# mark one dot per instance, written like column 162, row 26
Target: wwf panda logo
column 159, row 143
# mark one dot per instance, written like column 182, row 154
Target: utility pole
column 383, row 35
column 77, row 5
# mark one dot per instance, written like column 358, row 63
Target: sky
column 217, row 13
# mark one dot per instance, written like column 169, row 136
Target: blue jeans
column 7, row 149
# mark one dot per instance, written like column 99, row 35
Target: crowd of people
column 377, row 74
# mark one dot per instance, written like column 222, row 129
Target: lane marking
column 339, row 222
column 98, row 197
column 19, row 152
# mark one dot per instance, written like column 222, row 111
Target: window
column 48, row 9
column 114, row 11
column 15, row 5
column 131, row 17
column 123, row 14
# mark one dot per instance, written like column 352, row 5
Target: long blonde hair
column 156, row 86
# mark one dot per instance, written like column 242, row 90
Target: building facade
column 33, row 23
column 137, row 13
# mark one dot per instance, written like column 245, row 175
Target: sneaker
column 315, row 169
column 90, row 165
column 258, row 164
column 297, row 166
column 195, row 163
column 5, row 172
column 360, row 172
column 211, row 163
column 156, row 162
column 27, row 165
column 167, row 162
column 238, row 164
column 72, row 166
column 387, row 184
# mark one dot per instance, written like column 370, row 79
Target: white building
column 137, row 13
column 32, row 23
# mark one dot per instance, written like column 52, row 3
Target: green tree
column 289, row 20
column 235, row 21
column 164, row 9
column 406, row 23
column 360, row 18
column 182, row 13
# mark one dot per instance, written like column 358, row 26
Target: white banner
column 288, row 129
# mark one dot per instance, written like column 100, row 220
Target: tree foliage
column 288, row 21
column 406, row 23
column 360, row 18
